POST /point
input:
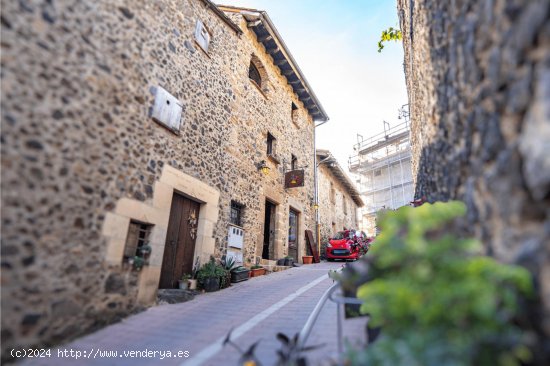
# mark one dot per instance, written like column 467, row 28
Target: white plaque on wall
column 167, row 110
column 238, row 256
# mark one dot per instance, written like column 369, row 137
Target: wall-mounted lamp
column 315, row 206
column 263, row 167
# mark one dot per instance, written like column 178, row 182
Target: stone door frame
column 156, row 211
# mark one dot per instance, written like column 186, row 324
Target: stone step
column 175, row 296
column 275, row 268
column 267, row 262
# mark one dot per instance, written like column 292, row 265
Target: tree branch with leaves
column 390, row 34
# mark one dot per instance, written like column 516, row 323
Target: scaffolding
column 381, row 166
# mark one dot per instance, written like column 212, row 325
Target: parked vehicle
column 347, row 245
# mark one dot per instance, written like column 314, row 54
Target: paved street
column 254, row 309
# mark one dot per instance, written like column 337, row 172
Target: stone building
column 127, row 124
column 338, row 198
column 478, row 80
column 381, row 165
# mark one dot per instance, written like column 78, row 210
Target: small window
column 345, row 205
column 254, row 74
column 377, row 173
column 202, row 36
column 294, row 113
column 293, row 162
column 236, row 213
column 138, row 236
column 270, row 144
column 332, row 194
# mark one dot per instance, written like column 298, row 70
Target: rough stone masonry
column 478, row 80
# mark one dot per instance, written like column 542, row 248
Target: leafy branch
column 389, row 34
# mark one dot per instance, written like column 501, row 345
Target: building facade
column 382, row 169
column 147, row 125
column 339, row 200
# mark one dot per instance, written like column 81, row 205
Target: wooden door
column 268, row 251
column 293, row 235
column 179, row 248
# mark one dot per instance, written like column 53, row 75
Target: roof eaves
column 259, row 21
column 210, row 5
column 337, row 171
column 294, row 64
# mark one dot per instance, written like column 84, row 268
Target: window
column 270, row 144
column 294, row 113
column 236, row 213
column 377, row 173
column 332, row 194
column 254, row 74
column 202, row 36
column 345, row 205
column 138, row 236
column 293, row 162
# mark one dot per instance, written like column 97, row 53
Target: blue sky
column 335, row 45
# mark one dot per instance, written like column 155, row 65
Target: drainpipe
column 316, row 192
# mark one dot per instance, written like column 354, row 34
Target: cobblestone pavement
column 255, row 309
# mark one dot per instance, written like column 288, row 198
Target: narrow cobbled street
column 256, row 309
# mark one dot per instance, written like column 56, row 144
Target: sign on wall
column 167, row 110
column 294, row 178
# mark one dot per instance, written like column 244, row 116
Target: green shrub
column 212, row 270
column 438, row 301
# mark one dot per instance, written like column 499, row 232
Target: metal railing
column 340, row 301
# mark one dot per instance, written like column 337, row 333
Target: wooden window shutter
column 202, row 36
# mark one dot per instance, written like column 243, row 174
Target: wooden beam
column 272, row 51
column 288, row 72
column 253, row 24
column 265, row 38
column 281, row 62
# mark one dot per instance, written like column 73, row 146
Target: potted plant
column 211, row 276
column 256, row 271
column 228, row 263
column 184, row 281
column 137, row 263
column 307, row 259
column 239, row 274
column 193, row 279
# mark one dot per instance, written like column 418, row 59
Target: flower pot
column 307, row 259
column 183, row 285
column 289, row 262
column 240, row 275
column 192, row 284
column 211, row 284
column 255, row 272
column 281, row 262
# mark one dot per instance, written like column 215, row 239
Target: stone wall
column 334, row 214
column 81, row 154
column 478, row 79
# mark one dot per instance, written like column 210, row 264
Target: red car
column 347, row 245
